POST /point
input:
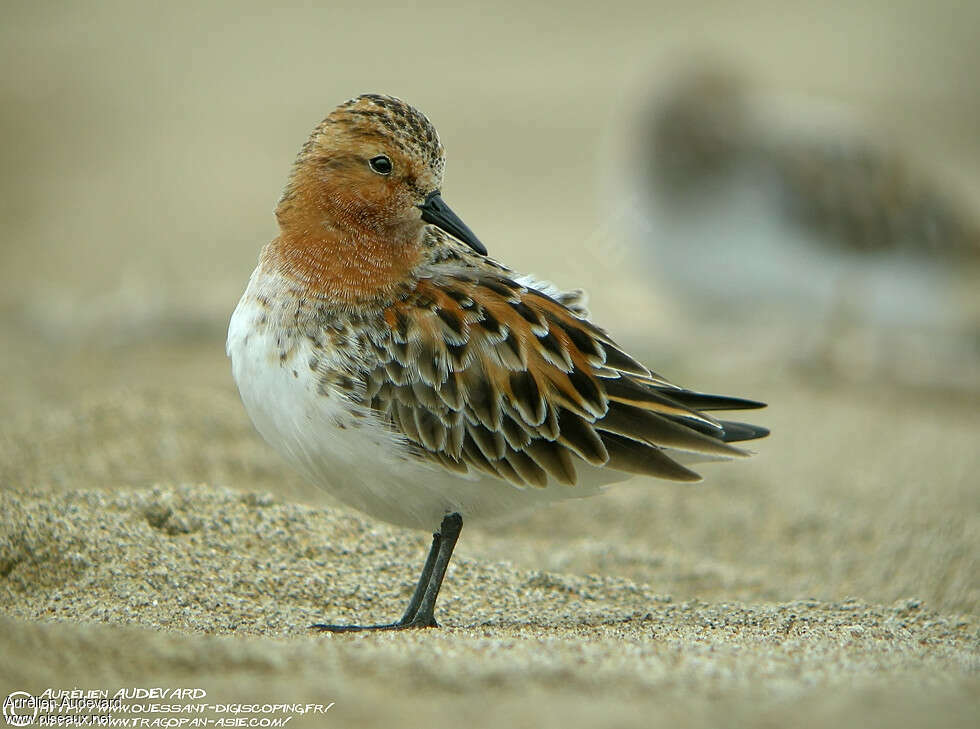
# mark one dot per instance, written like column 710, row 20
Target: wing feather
column 484, row 374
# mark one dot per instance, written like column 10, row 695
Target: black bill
column 435, row 211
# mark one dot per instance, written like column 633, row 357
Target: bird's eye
column 380, row 164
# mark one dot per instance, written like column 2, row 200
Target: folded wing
column 482, row 373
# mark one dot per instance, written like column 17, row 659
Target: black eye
column 380, row 164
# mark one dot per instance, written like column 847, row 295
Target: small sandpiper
column 393, row 363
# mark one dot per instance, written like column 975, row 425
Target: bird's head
column 372, row 169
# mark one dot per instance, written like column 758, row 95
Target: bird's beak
column 435, row 211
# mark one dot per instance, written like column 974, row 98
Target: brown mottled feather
column 491, row 375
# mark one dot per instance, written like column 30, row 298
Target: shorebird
column 761, row 203
column 391, row 361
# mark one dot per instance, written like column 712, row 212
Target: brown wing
column 481, row 372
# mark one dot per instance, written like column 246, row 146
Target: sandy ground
column 223, row 585
column 149, row 538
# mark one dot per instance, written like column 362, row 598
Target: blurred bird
column 392, row 362
column 762, row 205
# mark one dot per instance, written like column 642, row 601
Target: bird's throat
column 347, row 269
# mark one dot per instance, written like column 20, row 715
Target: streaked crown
column 396, row 121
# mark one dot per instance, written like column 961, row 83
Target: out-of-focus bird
column 762, row 207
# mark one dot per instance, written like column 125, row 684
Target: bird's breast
column 296, row 372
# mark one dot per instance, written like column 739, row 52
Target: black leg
column 420, row 612
column 423, row 583
column 449, row 533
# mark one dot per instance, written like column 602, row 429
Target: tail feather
column 659, row 430
column 705, row 401
column 734, row 432
column 653, row 430
column 632, row 456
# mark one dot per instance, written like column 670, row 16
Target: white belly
column 348, row 450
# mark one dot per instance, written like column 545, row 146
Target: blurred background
column 147, row 144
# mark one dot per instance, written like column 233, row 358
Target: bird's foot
column 416, row 622
column 421, row 608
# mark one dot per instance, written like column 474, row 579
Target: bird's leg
column 423, row 583
column 420, row 612
column 449, row 530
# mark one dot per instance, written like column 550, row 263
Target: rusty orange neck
column 344, row 269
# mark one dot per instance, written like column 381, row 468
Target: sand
column 148, row 538
column 214, row 588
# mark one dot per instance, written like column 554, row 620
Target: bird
column 390, row 360
column 767, row 204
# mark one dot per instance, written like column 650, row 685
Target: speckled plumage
column 468, row 367
column 412, row 376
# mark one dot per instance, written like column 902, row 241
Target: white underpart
column 359, row 460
